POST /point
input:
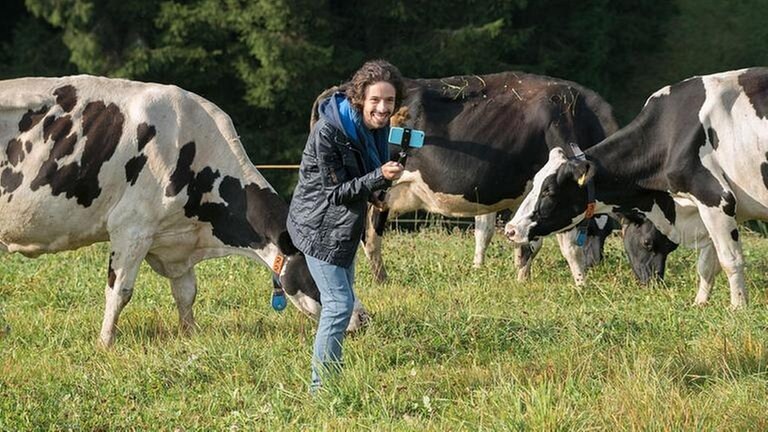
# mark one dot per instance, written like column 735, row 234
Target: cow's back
column 488, row 135
column 76, row 147
column 708, row 131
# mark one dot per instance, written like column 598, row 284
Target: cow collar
column 278, row 294
column 581, row 235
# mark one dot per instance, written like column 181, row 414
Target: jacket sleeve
column 339, row 185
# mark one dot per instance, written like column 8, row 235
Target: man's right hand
column 392, row 170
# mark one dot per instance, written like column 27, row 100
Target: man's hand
column 392, row 170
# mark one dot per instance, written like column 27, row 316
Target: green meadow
column 449, row 348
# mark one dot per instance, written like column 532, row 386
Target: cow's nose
column 510, row 232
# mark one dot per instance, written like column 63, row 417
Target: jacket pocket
column 333, row 170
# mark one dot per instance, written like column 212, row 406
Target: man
column 345, row 160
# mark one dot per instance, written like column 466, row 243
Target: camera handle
column 402, row 157
column 381, row 218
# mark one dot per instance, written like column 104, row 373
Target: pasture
column 449, row 347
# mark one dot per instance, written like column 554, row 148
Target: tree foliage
column 264, row 61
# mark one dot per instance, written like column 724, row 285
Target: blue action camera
column 406, row 137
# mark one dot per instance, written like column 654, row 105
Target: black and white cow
column 650, row 247
column 703, row 141
column 158, row 171
column 486, row 136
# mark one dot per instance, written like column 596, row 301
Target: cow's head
column 557, row 201
column 303, row 293
column 647, row 248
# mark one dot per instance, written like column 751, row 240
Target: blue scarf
column 374, row 142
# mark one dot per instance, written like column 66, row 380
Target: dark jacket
column 327, row 215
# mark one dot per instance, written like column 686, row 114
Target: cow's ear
column 580, row 171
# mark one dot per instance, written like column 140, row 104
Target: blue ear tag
column 278, row 295
column 581, row 237
column 278, row 300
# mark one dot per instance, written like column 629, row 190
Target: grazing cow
column 650, row 248
column 646, row 247
column 704, row 140
column 154, row 169
column 486, row 136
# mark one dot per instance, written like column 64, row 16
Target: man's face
column 379, row 104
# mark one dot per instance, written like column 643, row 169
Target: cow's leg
column 524, row 256
column 372, row 247
column 599, row 229
column 574, row 255
column 125, row 258
column 724, row 232
column 707, row 268
column 184, row 289
column 484, row 227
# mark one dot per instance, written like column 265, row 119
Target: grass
column 449, row 348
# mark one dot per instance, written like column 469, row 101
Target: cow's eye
column 546, row 192
column 647, row 244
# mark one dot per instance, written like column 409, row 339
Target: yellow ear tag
column 582, row 179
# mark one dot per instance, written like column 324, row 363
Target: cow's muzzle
column 516, row 234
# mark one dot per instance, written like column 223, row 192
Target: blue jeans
column 338, row 299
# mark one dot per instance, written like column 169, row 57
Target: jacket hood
column 329, row 110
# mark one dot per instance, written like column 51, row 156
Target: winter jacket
column 326, row 219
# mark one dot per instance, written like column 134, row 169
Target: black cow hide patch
column 713, row 139
column 133, row 168
column 10, row 180
column 66, row 97
column 14, row 152
column 182, row 174
column 102, row 130
column 111, row 275
column 144, row 134
column 764, row 170
column 32, row 118
column 755, row 84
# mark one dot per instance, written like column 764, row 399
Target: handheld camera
column 406, row 138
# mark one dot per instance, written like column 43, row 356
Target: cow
column 704, row 140
column 648, row 248
column 157, row 171
column 486, row 136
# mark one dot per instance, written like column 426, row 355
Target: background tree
column 265, row 61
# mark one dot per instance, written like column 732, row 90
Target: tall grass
column 449, row 348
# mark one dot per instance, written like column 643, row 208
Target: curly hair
column 371, row 72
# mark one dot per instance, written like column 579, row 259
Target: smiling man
column 345, row 161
